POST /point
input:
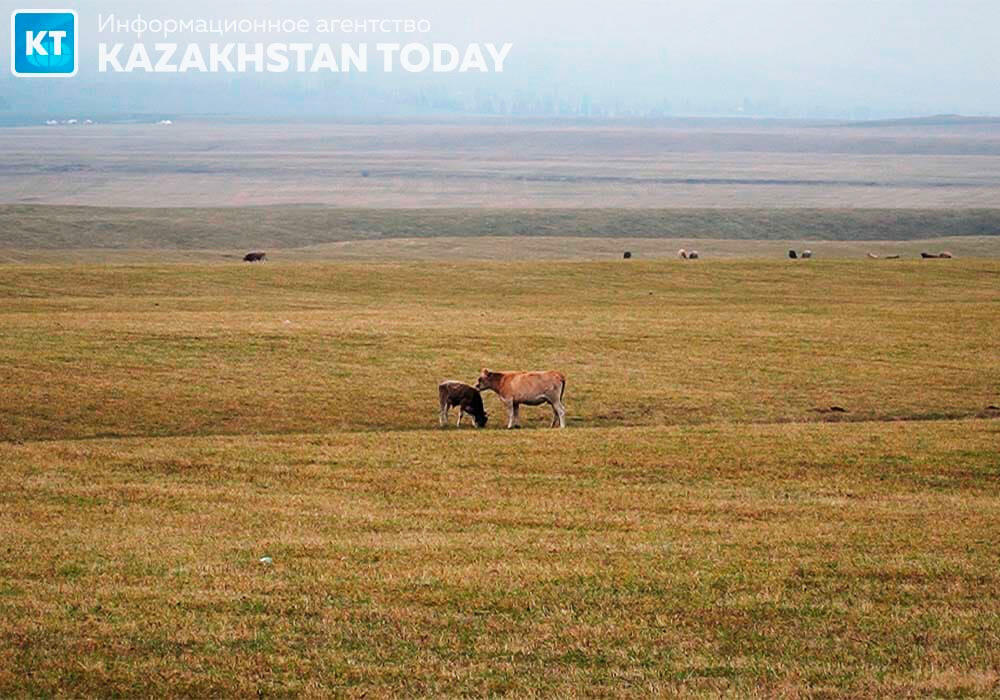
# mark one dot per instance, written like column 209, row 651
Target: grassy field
column 706, row 525
column 64, row 230
column 92, row 351
column 778, row 560
column 474, row 248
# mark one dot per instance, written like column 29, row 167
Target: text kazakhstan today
column 437, row 57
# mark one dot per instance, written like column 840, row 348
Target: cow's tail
column 563, row 389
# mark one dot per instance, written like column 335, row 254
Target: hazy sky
column 775, row 57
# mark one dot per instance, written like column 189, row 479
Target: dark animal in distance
column 942, row 254
column 628, row 255
column 807, row 254
column 831, row 409
column 254, row 257
column 528, row 388
column 693, row 255
column 793, row 255
column 468, row 400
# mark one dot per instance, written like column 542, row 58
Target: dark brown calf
column 468, row 400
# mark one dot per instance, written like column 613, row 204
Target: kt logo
column 43, row 43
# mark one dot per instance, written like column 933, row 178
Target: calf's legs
column 446, row 409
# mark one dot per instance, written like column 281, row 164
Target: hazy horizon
column 843, row 59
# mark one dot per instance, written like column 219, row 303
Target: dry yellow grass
column 823, row 559
column 699, row 528
column 190, row 350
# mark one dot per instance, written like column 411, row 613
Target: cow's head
column 481, row 419
column 485, row 380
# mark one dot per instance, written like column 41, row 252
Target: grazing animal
column 892, row 257
column 831, row 409
column 254, row 257
column 529, row 388
column 873, row 256
column 693, row 255
column 945, row 254
column 792, row 254
column 807, row 253
column 468, row 400
column 628, row 255
column 942, row 254
column 682, row 254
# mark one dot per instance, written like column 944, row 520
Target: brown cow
column 468, row 400
column 529, row 388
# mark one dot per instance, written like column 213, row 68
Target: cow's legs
column 461, row 413
column 511, row 412
column 443, row 418
column 560, row 414
column 517, row 415
column 555, row 414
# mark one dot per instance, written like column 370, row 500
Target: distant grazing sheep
column 693, row 255
column 875, row 256
column 682, row 254
column 254, row 257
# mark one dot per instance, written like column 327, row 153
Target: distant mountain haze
column 840, row 59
